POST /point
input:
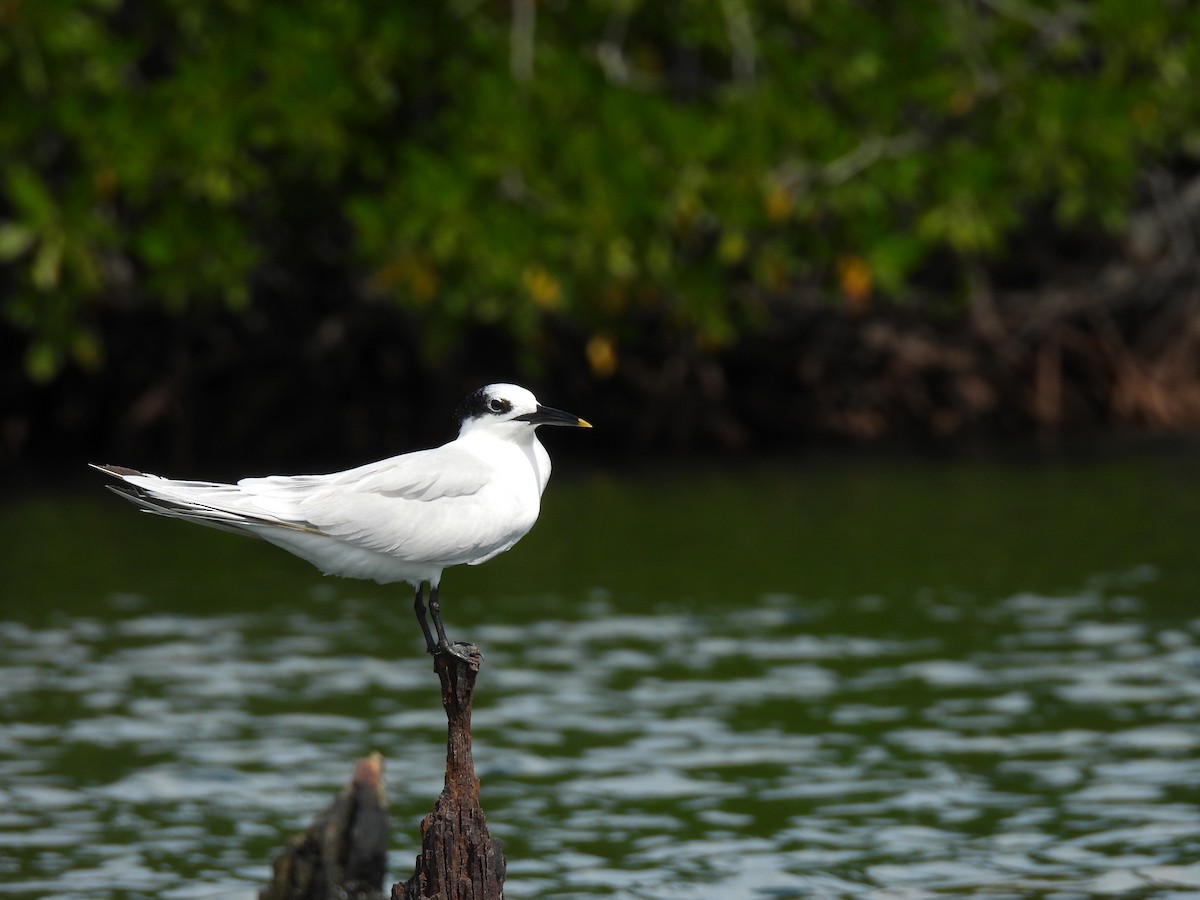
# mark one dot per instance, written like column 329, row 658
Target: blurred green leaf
column 663, row 157
column 43, row 359
column 15, row 239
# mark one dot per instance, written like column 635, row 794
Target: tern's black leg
column 435, row 613
column 419, row 608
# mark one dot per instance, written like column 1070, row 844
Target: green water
column 862, row 679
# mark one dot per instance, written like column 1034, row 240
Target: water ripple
column 1035, row 744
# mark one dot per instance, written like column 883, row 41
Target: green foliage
column 501, row 162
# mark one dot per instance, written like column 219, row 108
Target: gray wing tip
column 150, row 499
column 124, row 488
column 115, row 471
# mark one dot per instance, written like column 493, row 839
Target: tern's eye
column 497, row 405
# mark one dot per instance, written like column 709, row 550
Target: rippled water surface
column 858, row 680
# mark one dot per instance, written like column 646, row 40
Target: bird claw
column 464, row 650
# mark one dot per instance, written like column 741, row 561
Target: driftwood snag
column 459, row 860
column 344, row 852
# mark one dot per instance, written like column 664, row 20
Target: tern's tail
column 224, row 506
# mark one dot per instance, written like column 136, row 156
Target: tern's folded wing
column 423, row 475
column 420, row 506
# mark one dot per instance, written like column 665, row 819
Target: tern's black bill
column 546, row 415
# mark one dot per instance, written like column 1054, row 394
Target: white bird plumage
column 400, row 519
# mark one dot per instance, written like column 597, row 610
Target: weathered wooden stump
column 459, row 860
column 344, row 852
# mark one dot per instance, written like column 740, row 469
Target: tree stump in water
column 344, row 852
column 458, row 859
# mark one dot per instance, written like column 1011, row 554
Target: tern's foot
column 463, row 650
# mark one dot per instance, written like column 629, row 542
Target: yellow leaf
column 731, row 248
column 542, row 287
column 422, row 280
column 601, row 355
column 961, row 102
column 854, row 278
column 1145, row 114
column 779, row 203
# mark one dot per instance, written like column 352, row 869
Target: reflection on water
column 781, row 740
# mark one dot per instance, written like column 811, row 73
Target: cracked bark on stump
column 459, row 860
column 343, row 853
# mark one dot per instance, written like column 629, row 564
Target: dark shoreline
column 260, row 393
